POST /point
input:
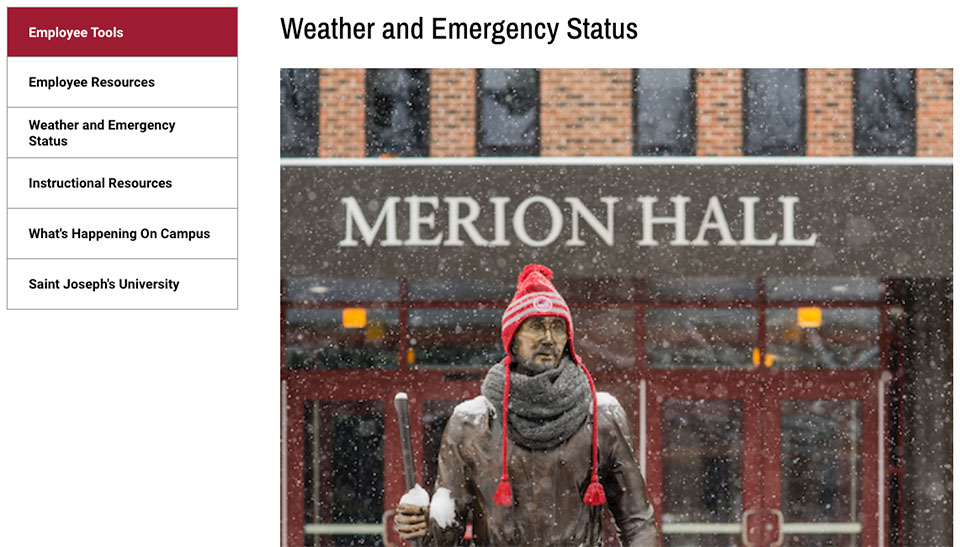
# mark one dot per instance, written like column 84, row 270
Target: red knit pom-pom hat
column 537, row 297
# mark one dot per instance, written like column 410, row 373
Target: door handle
column 386, row 526
column 745, row 519
column 779, row 540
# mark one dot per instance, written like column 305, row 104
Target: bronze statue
column 535, row 457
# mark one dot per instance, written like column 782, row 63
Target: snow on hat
column 537, row 297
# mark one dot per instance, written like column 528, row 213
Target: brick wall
column 719, row 116
column 453, row 112
column 935, row 112
column 342, row 107
column 830, row 112
column 586, row 112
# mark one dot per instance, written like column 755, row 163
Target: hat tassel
column 594, row 495
column 504, row 495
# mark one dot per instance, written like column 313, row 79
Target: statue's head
column 539, row 344
column 537, row 328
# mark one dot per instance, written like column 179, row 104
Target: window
column 508, row 112
column 398, row 108
column 884, row 112
column 665, row 112
column 841, row 338
column 773, row 120
column 343, row 472
column 700, row 338
column 299, row 112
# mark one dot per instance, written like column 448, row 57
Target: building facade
column 759, row 264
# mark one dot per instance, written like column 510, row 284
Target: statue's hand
column 412, row 521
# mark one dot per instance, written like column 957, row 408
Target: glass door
column 766, row 458
column 343, row 479
column 821, row 475
column 823, row 421
column 705, row 477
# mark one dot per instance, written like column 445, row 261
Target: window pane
column 454, row 337
column 508, row 101
column 339, row 290
column 462, row 289
column 701, row 288
column 666, row 112
column 820, row 467
column 299, row 112
column 343, row 469
column 773, row 113
column 605, row 338
column 320, row 339
column 827, row 338
column 700, row 338
column 702, row 467
column 581, row 291
column 824, row 288
column 884, row 117
column 397, row 112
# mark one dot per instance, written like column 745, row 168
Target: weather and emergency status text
column 122, row 158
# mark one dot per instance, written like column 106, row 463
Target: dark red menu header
column 122, row 32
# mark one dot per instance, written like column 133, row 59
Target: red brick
column 453, row 100
column 935, row 112
column 586, row 112
column 342, row 113
column 829, row 112
column 719, row 98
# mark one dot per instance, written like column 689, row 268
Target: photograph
column 626, row 306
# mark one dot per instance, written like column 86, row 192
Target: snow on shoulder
column 607, row 402
column 475, row 409
column 442, row 509
column 416, row 496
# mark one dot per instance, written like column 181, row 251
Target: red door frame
column 761, row 392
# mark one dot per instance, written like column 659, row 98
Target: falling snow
column 776, row 361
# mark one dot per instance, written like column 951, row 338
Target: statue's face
column 538, row 344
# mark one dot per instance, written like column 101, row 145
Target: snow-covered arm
column 622, row 479
column 451, row 498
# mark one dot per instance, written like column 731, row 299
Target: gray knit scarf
column 544, row 410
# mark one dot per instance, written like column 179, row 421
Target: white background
column 204, row 284
column 196, row 133
column 178, row 81
column 130, row 428
column 221, row 223
column 194, row 182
